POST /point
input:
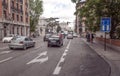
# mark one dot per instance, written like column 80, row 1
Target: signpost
column 105, row 27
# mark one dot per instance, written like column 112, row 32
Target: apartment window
column 26, row 20
column 17, row 6
column 21, row 18
column 21, row 7
column 5, row 14
column 13, row 16
column 21, row 1
column 12, row 4
column 17, row 17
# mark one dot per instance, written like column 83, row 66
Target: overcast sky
column 64, row 9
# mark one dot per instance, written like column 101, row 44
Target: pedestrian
column 88, row 36
column 91, row 37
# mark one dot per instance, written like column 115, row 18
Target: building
column 80, row 24
column 14, row 17
column 41, row 25
column 64, row 26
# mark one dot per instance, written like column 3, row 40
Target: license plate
column 53, row 41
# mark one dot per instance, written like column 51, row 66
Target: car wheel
column 34, row 45
column 48, row 45
column 62, row 44
column 11, row 48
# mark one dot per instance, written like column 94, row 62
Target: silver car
column 21, row 42
column 69, row 36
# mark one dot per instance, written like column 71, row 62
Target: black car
column 46, row 37
column 55, row 40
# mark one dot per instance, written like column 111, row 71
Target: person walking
column 88, row 36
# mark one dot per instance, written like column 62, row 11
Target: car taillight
column 21, row 42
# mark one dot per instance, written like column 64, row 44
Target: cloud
column 64, row 9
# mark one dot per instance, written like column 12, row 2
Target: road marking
column 38, row 59
column 5, row 52
column 3, row 48
column 62, row 59
column 6, row 59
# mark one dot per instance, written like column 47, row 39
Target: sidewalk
column 112, row 56
column 3, row 45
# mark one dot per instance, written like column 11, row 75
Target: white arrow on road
column 38, row 59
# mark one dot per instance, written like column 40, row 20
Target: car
column 69, row 36
column 8, row 38
column 46, row 37
column 75, row 35
column 55, row 40
column 21, row 42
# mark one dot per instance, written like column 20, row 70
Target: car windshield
column 54, row 38
column 47, row 35
column 18, row 38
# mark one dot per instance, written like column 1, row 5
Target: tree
column 95, row 9
column 58, row 29
column 36, row 9
column 75, row 1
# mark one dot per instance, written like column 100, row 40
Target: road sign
column 105, row 24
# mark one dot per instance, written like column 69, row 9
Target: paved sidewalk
column 3, row 45
column 110, row 55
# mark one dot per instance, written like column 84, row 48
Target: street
column 75, row 58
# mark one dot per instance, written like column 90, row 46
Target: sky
column 63, row 9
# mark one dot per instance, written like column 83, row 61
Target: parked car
column 46, row 37
column 55, row 40
column 21, row 42
column 69, row 36
column 8, row 38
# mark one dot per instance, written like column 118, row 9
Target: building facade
column 80, row 24
column 41, row 25
column 14, row 17
column 64, row 26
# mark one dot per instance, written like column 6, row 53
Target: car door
column 31, row 43
column 27, row 42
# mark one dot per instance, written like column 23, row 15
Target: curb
column 103, row 57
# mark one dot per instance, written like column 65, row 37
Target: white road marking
column 3, row 48
column 5, row 52
column 6, row 59
column 37, row 59
column 62, row 59
column 66, row 50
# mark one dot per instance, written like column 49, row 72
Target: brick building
column 14, row 17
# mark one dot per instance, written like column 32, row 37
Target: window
column 12, row 4
column 17, row 17
column 13, row 16
column 17, row 6
column 5, row 14
column 27, row 20
column 21, row 18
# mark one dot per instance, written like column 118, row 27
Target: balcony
column 5, row 5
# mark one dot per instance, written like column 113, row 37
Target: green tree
column 95, row 9
column 76, row 2
column 36, row 9
column 58, row 29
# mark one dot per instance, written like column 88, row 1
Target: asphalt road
column 75, row 58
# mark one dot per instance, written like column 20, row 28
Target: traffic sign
column 105, row 24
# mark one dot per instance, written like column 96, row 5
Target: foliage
column 93, row 10
column 58, row 29
column 118, row 32
column 36, row 9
